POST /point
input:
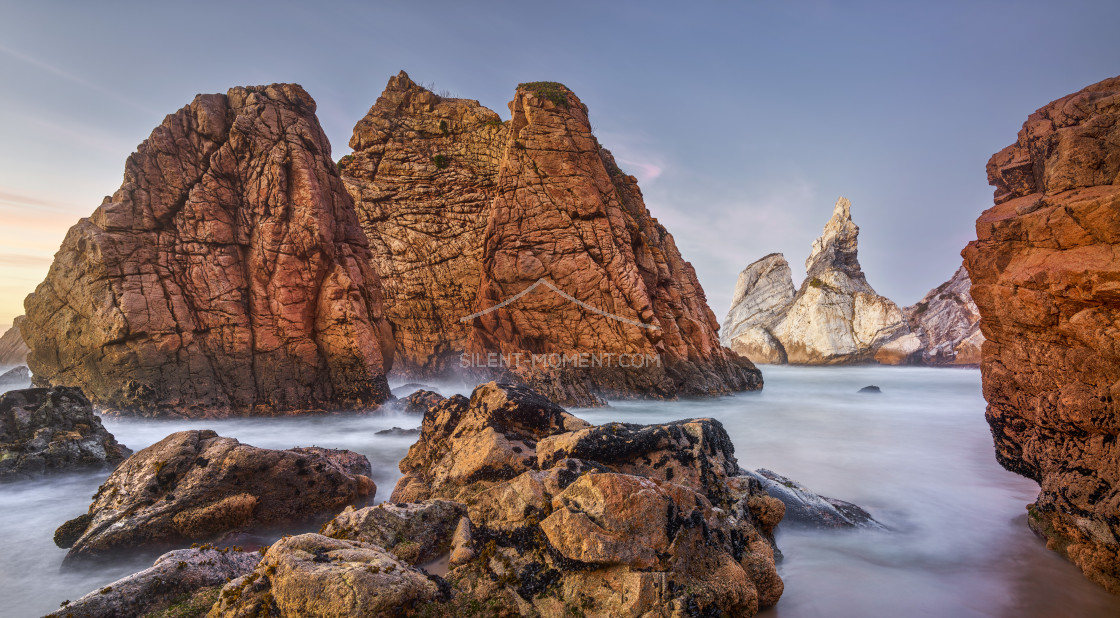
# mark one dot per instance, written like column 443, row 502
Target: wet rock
column 614, row 520
column 227, row 275
column 461, row 214
column 19, row 377
column 835, row 317
column 195, row 485
column 420, row 401
column 1045, row 272
column 13, row 350
column 417, row 533
column 315, row 575
column 398, row 432
column 809, row 510
column 871, row 389
column 52, row 430
column 177, row 577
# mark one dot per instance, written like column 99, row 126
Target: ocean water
column 918, row 456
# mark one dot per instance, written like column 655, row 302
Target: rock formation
column 418, row 533
column 52, row 430
column 806, row 509
column 13, row 351
column 228, row 274
column 19, row 377
column 1046, row 278
column 465, row 212
column 835, row 316
column 616, row 519
column 195, row 486
column 944, row 328
column 187, row 578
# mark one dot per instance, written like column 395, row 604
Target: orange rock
column 1045, row 272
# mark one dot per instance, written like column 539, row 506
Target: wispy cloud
column 78, row 80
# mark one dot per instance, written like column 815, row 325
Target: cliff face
column 13, row 351
column 464, row 213
column 228, row 274
column 835, row 317
column 1046, row 279
column 944, row 328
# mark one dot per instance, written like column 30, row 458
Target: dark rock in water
column 20, row 377
column 871, row 389
column 809, row 510
column 195, row 485
column 411, row 387
column 420, row 401
column 398, row 431
column 51, row 430
column 189, row 577
column 417, row 533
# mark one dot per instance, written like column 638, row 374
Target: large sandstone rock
column 1046, row 278
column 52, row 430
column 944, row 328
column 195, row 486
column 610, row 520
column 228, row 274
column 13, row 350
column 187, row 578
column 465, row 212
column 834, row 317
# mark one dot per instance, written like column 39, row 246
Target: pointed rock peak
column 401, row 81
column 837, row 246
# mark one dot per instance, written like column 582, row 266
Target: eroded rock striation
column 944, row 328
column 1046, row 279
column 52, row 430
column 465, row 212
column 13, row 350
column 228, row 274
column 834, row 317
column 617, row 519
column 195, row 485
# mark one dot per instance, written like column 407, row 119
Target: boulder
column 611, row 520
column 227, row 275
column 805, row 509
column 195, row 486
column 1045, row 273
column 417, row 533
column 13, row 350
column 315, row 575
column 520, row 251
column 52, row 430
column 834, row 317
column 420, row 402
column 187, row 579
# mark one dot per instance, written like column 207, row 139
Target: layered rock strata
column 52, row 430
column 13, row 350
column 531, row 225
column 196, row 485
column 944, row 328
column 834, row 317
column 228, row 274
column 616, row 519
column 1046, row 280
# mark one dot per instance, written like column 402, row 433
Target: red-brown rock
column 1045, row 272
column 228, row 274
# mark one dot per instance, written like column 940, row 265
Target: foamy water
column 918, row 456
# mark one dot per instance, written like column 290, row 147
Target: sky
column 742, row 121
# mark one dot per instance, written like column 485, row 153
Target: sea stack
column 835, row 317
column 524, row 241
column 944, row 328
column 227, row 275
column 1046, row 279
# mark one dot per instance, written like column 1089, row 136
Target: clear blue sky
column 743, row 121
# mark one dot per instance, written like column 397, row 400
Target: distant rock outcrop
column 1045, row 271
column 465, row 212
column 196, row 485
column 13, row 351
column 227, row 275
column 944, row 328
column 52, row 430
column 835, row 317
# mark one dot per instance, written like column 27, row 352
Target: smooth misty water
column 918, row 456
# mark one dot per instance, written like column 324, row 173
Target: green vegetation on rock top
column 553, row 91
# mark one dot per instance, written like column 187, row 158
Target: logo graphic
column 550, row 285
